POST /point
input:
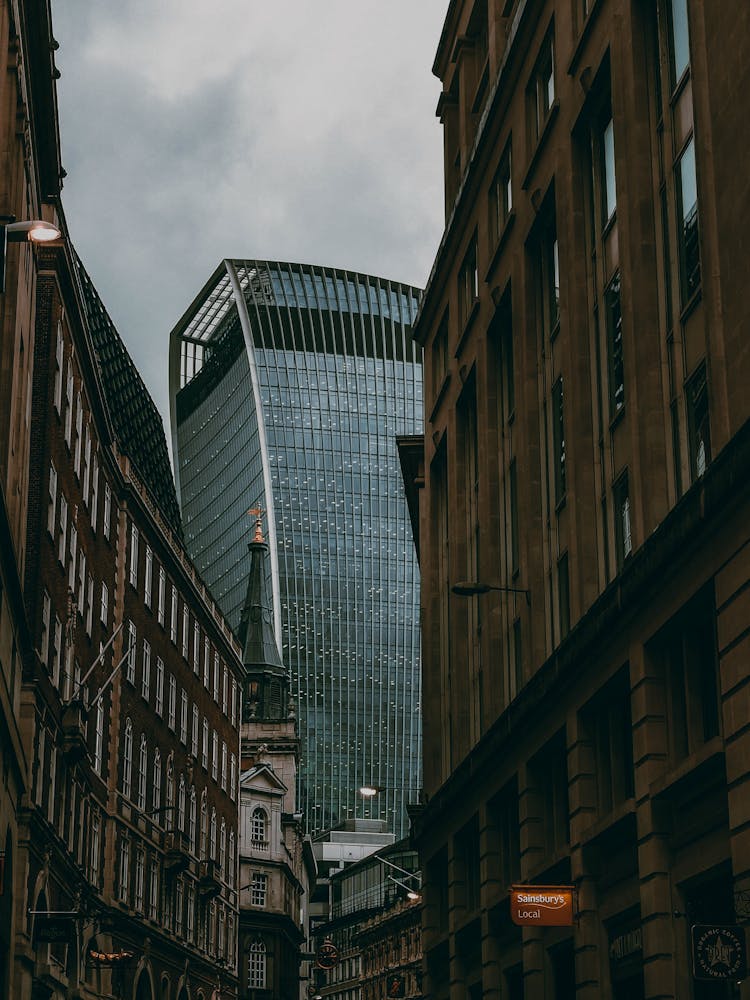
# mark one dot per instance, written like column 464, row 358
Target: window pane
column 608, row 176
column 688, row 208
column 680, row 39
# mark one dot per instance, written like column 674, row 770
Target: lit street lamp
column 31, row 231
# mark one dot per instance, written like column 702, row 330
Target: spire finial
column 257, row 513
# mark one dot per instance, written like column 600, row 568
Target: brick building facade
column 586, row 457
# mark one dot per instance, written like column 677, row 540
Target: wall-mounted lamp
column 471, row 588
column 31, row 231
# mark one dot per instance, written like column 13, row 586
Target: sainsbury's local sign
column 543, row 905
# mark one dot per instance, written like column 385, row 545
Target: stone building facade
column 391, row 952
column 130, row 706
column 30, row 182
column 585, row 480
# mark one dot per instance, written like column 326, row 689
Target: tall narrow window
column 541, row 92
column 142, row 772
column 131, row 651
column 52, row 500
column 623, row 534
column 79, row 436
column 58, row 369
column 558, row 435
column 69, row 403
column 468, row 284
column 679, row 39
column 215, row 755
column 183, row 716
column 94, row 490
column 192, row 821
column 259, row 826
column 258, row 889
column 181, row 804
column 185, row 631
column 86, row 465
column 63, row 539
column 127, row 759
column 232, row 861
column 256, row 971
column 162, row 595
column 204, row 752
column 124, row 880
column 699, row 428
column 614, row 347
column 173, row 616
column 148, row 579
column 609, row 194
column 156, row 786
column 139, row 879
column 146, row 675
column 133, row 555
column 172, row 719
column 159, row 699
column 44, row 641
column 501, row 198
column 195, row 733
column 687, row 201
column 106, row 516
column 196, row 646
column 216, row 677
column 99, row 736
column 153, row 891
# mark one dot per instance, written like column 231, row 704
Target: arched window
column 169, row 808
column 156, row 792
column 204, row 824
column 223, row 849
column 232, row 860
column 213, row 834
column 181, row 804
column 256, row 968
column 191, row 826
column 142, row 769
column 127, row 759
column 259, row 826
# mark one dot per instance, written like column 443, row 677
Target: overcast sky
column 300, row 130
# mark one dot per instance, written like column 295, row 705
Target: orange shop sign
column 543, row 905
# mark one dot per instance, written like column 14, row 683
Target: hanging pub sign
column 395, row 985
column 543, row 905
column 53, row 928
column 328, row 955
column 719, row 951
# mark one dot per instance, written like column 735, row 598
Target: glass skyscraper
column 288, row 386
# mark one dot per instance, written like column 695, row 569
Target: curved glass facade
column 289, row 384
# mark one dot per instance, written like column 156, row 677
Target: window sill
column 473, row 312
column 583, row 37
column 691, row 305
column 501, row 241
column 541, row 143
column 614, row 817
column 616, row 419
column 440, row 397
column 708, row 758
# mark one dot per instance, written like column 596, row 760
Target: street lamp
column 31, row 231
column 470, row 588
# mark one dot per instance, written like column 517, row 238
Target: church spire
column 266, row 682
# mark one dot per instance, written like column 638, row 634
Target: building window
column 223, row 849
column 169, row 805
column 232, row 861
column 550, row 773
column 57, row 649
column 549, row 274
column 99, row 736
column 699, row 429
column 563, row 595
column 57, row 392
column 172, row 719
column 204, row 826
column 679, row 38
column 256, row 967
column 181, row 804
column 192, row 821
column 149, row 575
column 132, row 645
column 173, row 616
column 63, row 539
column 558, row 441
column 206, row 663
column 215, row 755
column 183, row 716
column 44, row 643
column 124, row 881
column 258, row 889
column 142, row 771
column 608, row 721
column 501, row 197
column 127, row 759
column 104, row 605
column 52, row 501
column 223, row 765
column 440, row 356
column 162, row 595
column 86, row 465
column 607, row 170
column 204, row 754
column 614, row 346
column 73, row 553
column 139, row 878
column 225, row 690
column 542, row 89
column 68, row 403
column 259, row 826
column 79, row 437
column 153, row 891
column 195, row 734
column 468, row 284
column 185, row 631
column 156, row 790
column 159, row 701
column 178, row 906
column 146, row 675
column 191, row 912
column 687, row 208
column 196, row 647
column 216, row 678
column 107, row 515
column 623, row 534
column 234, row 702
column 94, row 490
column 233, row 777
column 95, row 847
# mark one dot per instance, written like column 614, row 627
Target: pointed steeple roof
column 260, row 652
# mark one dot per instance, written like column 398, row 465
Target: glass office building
column 288, row 386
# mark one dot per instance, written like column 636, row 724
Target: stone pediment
column 262, row 778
